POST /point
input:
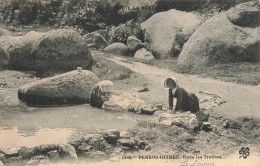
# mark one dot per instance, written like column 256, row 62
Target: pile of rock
column 106, row 144
column 134, row 47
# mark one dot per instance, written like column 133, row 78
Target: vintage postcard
column 130, row 82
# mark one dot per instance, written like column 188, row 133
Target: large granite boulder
column 68, row 88
column 61, row 50
column 117, row 49
column 57, row 50
column 168, row 31
column 231, row 36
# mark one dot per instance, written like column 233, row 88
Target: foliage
column 123, row 31
column 201, row 5
column 79, row 14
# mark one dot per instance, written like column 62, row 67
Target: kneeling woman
column 185, row 101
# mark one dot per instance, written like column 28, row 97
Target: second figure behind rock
column 100, row 93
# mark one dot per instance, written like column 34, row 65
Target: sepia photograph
column 129, row 82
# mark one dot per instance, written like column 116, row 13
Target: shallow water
column 21, row 125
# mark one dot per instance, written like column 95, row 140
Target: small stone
column 167, row 122
column 147, row 148
column 130, row 143
column 226, row 124
column 148, row 110
column 206, row 126
column 85, row 148
column 11, row 152
column 111, row 135
column 67, row 151
column 194, row 124
column 97, row 141
column 125, row 134
column 36, row 160
column 187, row 137
column 79, row 69
column 158, row 113
column 177, row 121
column 159, row 107
column 141, row 145
column 95, row 155
column 144, row 90
column 202, row 116
column 53, row 155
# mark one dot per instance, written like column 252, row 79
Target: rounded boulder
column 68, row 88
column 224, row 38
column 117, row 49
column 61, row 50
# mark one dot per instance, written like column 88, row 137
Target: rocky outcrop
column 231, row 36
column 168, row 31
column 143, row 54
column 117, row 49
column 134, row 44
column 68, row 88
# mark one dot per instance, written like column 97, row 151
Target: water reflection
column 21, row 125
column 13, row 139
